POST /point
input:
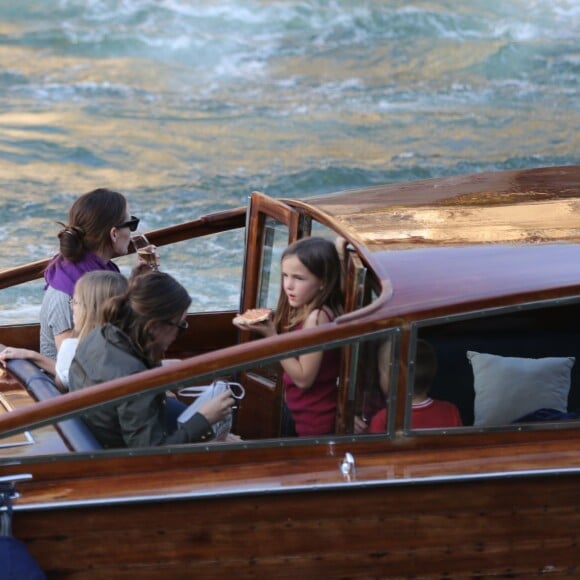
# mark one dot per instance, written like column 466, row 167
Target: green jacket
column 107, row 353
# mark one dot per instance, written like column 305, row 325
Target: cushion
column 507, row 388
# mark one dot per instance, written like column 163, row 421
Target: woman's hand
column 218, row 408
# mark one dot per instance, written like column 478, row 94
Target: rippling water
column 187, row 106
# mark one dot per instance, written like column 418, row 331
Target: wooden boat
column 487, row 263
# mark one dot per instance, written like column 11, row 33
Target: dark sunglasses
column 181, row 326
column 132, row 224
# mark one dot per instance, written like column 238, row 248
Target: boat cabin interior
column 483, row 349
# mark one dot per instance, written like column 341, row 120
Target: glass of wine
column 146, row 251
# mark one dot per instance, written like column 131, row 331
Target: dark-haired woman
column 142, row 324
column 98, row 229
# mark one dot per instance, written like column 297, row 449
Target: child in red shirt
column 426, row 413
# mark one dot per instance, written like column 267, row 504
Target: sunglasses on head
column 132, row 224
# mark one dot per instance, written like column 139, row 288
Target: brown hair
column 151, row 296
column 93, row 290
column 320, row 257
column 90, row 220
column 425, row 367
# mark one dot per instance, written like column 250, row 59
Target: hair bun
column 74, row 231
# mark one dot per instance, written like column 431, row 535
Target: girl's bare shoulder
column 316, row 317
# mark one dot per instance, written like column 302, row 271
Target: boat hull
column 504, row 525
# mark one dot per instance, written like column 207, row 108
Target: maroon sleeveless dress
column 314, row 409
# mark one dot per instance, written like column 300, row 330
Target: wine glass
column 146, row 251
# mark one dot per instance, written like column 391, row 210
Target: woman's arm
column 142, row 421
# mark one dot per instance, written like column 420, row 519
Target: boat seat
column 454, row 380
column 42, row 387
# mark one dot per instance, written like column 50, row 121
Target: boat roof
column 526, row 206
column 453, row 240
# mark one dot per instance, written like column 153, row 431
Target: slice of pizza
column 253, row 316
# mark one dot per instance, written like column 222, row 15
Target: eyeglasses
column 132, row 224
column 181, row 326
column 73, row 302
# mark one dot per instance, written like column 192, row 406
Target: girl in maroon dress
column 311, row 295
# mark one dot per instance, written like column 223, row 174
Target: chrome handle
column 347, row 467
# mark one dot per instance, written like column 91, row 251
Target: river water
column 188, row 106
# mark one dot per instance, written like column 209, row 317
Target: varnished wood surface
column 524, row 206
column 514, row 526
column 237, row 474
column 424, row 280
column 208, row 331
column 493, row 529
column 21, row 336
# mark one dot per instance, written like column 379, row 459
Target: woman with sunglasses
column 142, row 324
column 99, row 228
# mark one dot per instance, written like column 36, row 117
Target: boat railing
column 202, row 226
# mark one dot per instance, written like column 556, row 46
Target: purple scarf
column 62, row 274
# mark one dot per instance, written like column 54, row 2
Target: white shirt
column 64, row 358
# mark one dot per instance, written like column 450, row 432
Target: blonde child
column 90, row 294
column 311, row 295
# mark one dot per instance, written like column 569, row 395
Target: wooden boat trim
column 304, row 476
column 203, row 226
column 298, row 489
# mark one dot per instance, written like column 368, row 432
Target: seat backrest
column 42, row 387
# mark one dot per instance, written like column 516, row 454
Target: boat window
column 275, row 241
column 359, row 394
column 271, row 226
column 318, row 229
column 374, row 390
column 261, row 418
column 505, row 368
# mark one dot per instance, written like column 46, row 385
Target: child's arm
column 304, row 368
column 42, row 361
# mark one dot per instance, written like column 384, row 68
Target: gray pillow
column 507, row 388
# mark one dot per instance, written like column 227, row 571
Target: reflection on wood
column 10, row 400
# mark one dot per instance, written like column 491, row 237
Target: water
column 187, row 106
